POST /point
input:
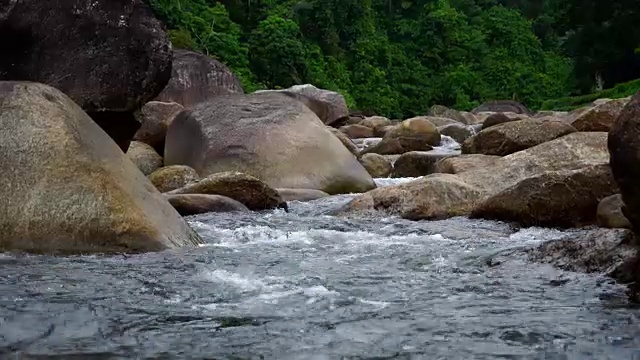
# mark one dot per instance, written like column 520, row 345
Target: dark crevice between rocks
column 120, row 126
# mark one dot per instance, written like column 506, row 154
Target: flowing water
column 308, row 285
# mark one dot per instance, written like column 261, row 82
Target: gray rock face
column 109, row 57
column 502, row 106
column 155, row 118
column 196, row 78
column 301, row 194
column 377, row 165
column 610, row 213
column 70, row 189
column 270, row 136
column 193, row 204
column 145, row 157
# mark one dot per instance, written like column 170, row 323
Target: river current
column 309, row 285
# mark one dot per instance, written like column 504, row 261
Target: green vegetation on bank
column 399, row 57
column 575, row 102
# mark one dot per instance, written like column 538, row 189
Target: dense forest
column 399, row 57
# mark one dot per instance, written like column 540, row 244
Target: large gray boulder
column 68, row 188
column 270, row 136
column 109, row 58
column 196, row 78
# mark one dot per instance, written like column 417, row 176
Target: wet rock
column 377, row 165
column 458, row 132
column 108, row 59
column 173, row 177
column 329, row 106
column 155, row 118
column 416, row 163
column 250, row 191
column 357, row 131
column 350, row 145
column 462, row 163
column 610, row 213
column 624, row 148
column 604, row 251
column 196, row 78
column 70, row 188
column 411, row 135
column 507, row 138
column 270, row 136
column 193, row 204
column 600, row 117
column 301, row 194
column 562, row 198
column 145, row 157
column 502, row 106
column 374, row 122
column 436, row 196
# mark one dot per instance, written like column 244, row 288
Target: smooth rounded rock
column 145, row 157
column 173, row 177
column 416, row 163
column 193, row 204
column 155, row 118
column 301, row 194
column 610, row 213
column 416, row 134
column 377, row 165
column 357, row 131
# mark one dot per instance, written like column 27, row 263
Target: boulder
column 497, row 119
column 250, row 191
column 437, row 121
column 144, row 156
column 70, row 189
column 507, row 138
column 458, row 132
column 502, row 106
column 357, row 131
column 445, row 112
column 624, row 148
column 193, row 204
column 155, row 118
column 461, row 163
column 270, row 136
column 196, row 78
column 329, row 106
column 173, row 177
column 436, row 196
column 610, row 213
column 415, row 134
column 109, row 59
column 374, row 122
column 301, row 194
column 600, row 117
column 416, row 163
column 381, row 131
column 350, row 145
column 377, row 165
column 553, row 199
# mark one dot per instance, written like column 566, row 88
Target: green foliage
column 575, row 102
column 399, row 57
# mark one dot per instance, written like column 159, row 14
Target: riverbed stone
column 173, row 177
column 344, row 139
column 193, row 204
column 377, row 165
column 249, row 190
column 502, row 106
column 507, row 138
column 416, row 163
column 610, row 213
column 144, row 156
column 301, row 194
column 624, row 148
column 552, row 199
column 270, row 136
column 374, row 122
column 600, row 117
column 155, row 118
column 357, row 131
column 466, row 162
column 416, row 134
column 70, row 188
column 197, row 78
column 458, row 132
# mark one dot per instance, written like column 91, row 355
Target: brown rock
column 197, row 78
column 562, row 198
column 437, row 121
column 497, row 119
column 444, row 112
column 357, row 131
column 155, row 118
column 600, row 117
column 377, row 165
column 507, row 138
column 270, row 136
column 411, row 135
column 350, row 145
column 301, row 194
column 253, row 193
column 416, row 163
column 173, row 177
column 193, row 204
column 461, row 163
column 624, row 148
column 610, row 213
column 460, row 133
column 381, row 131
column 374, row 122
column 502, row 106
column 145, row 157
column 70, row 189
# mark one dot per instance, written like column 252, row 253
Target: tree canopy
column 399, row 57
